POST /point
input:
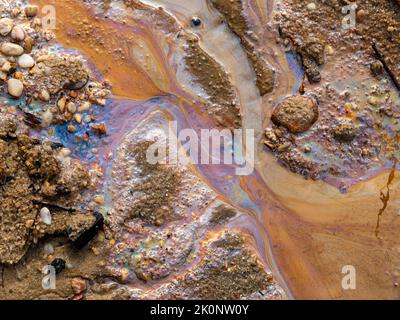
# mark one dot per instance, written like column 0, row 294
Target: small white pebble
column 101, row 102
column 64, row 153
column 48, row 248
column 47, row 118
column 45, row 216
column 26, row 61
column 44, row 95
column 61, row 104
column 311, row 6
column 15, row 87
column 85, row 106
column 78, row 118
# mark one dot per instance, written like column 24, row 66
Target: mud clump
column 275, row 139
column 8, row 128
column 55, row 73
column 312, row 55
column 213, row 78
column 32, row 178
column 233, row 12
column 161, row 254
column 158, row 190
column 345, row 131
column 229, row 270
column 222, row 214
column 297, row 114
column 377, row 29
column 40, row 163
column 296, row 162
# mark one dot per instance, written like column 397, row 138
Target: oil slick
column 212, row 147
column 304, row 230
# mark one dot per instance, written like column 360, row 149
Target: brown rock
column 99, row 128
column 312, row 55
column 31, row 11
column 296, row 113
column 78, row 285
column 377, row 68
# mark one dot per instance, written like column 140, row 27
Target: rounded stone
column 311, row 6
column 48, row 248
column 15, row 87
column 297, row 113
column 71, row 107
column 78, row 285
column 45, row 216
column 6, row 26
column 18, row 33
column 11, row 49
column 26, row 61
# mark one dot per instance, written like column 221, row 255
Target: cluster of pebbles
column 28, row 69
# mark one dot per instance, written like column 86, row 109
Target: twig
column 381, row 58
